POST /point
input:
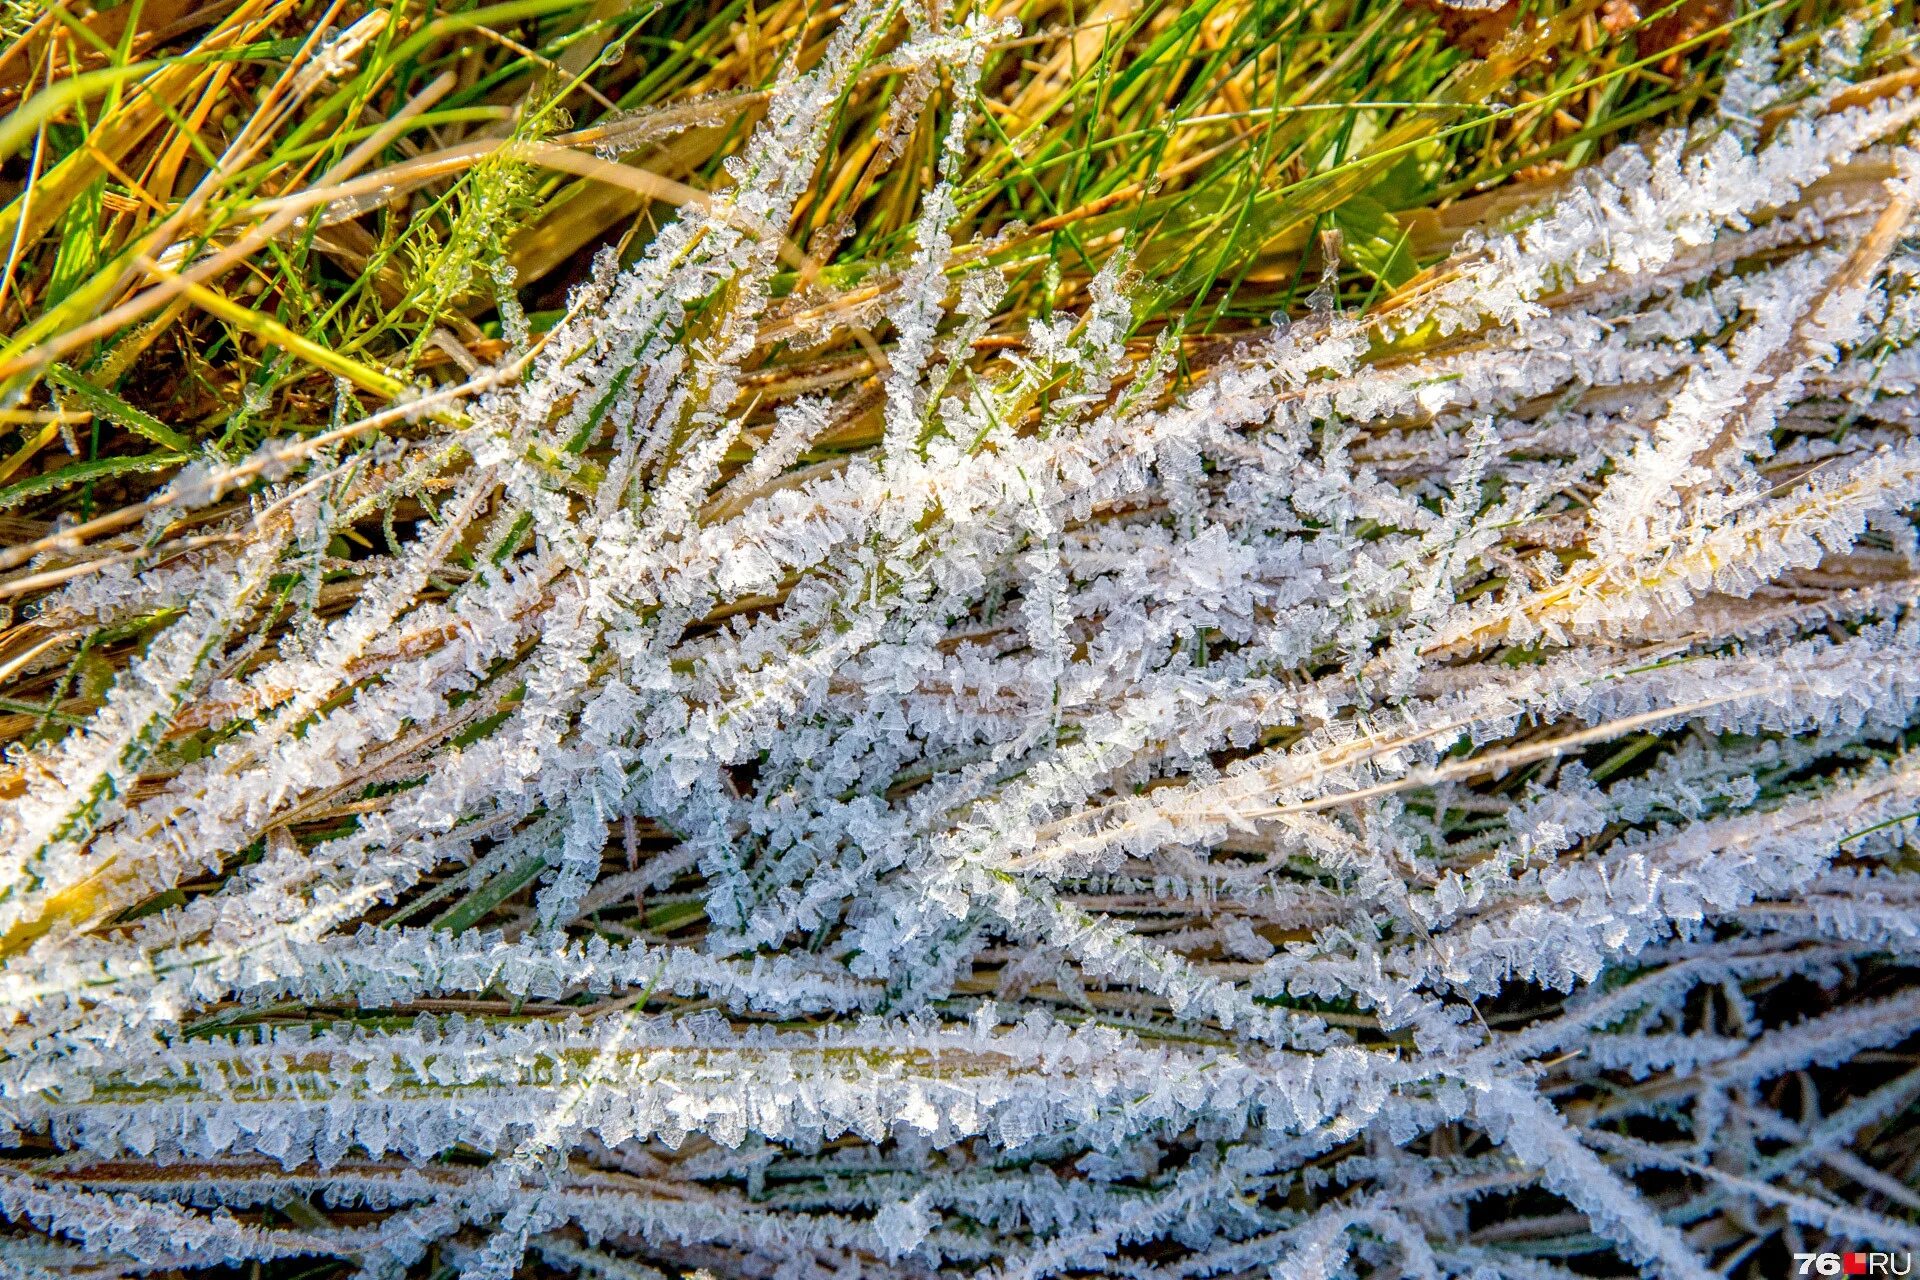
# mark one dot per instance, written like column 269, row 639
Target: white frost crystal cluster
column 1105, row 827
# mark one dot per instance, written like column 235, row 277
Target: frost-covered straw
column 1095, row 829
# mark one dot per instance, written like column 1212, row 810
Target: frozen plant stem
column 1064, row 798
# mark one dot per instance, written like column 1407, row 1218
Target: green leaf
column 1410, row 181
column 1374, row 241
column 81, row 247
column 81, row 472
column 467, row 912
column 114, row 409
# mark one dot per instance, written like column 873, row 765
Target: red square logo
column 1854, row 1264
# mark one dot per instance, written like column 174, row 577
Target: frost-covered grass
column 884, row 640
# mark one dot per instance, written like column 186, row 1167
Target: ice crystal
column 1110, row 810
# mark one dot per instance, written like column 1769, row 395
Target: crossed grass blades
column 1228, row 640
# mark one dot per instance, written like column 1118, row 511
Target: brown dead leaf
column 1472, row 31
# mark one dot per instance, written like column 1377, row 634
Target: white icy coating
column 1061, row 783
